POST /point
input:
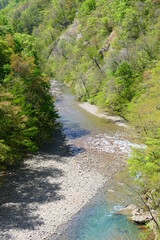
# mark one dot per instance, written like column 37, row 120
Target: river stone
column 136, row 214
column 141, row 217
column 127, row 210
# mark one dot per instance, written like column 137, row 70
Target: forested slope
column 27, row 113
column 107, row 51
column 101, row 48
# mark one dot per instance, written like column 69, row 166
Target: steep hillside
column 106, row 57
column 101, row 48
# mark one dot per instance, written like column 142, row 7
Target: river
column 105, row 141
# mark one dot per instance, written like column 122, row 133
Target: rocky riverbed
column 47, row 193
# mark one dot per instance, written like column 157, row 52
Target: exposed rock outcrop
column 108, row 43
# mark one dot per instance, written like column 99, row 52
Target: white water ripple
column 111, row 144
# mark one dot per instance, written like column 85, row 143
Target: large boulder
column 136, row 214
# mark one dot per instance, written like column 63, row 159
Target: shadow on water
column 73, row 131
column 59, row 144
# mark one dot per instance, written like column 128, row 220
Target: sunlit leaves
column 87, row 6
column 27, row 114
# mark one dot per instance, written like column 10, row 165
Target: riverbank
column 93, row 109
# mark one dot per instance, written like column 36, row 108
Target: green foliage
column 27, row 114
column 13, row 121
column 29, row 15
column 25, row 43
column 123, row 83
column 5, row 53
column 86, row 7
column 3, row 3
column 146, row 162
column 107, row 50
column 4, row 25
column 118, row 9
